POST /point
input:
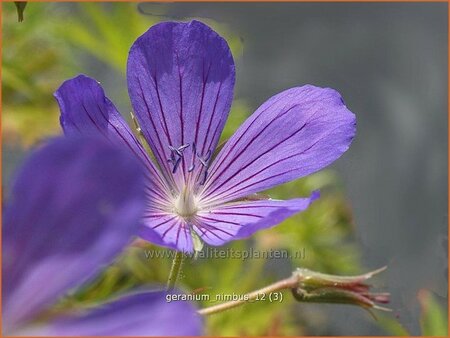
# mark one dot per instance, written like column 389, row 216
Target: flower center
column 185, row 204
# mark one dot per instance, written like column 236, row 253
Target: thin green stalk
column 288, row 283
column 175, row 271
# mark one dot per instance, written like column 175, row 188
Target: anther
column 171, row 159
column 176, row 165
column 176, row 155
column 205, row 174
column 179, row 150
column 204, row 161
column 194, row 153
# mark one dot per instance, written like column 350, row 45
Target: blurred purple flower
column 180, row 80
column 75, row 205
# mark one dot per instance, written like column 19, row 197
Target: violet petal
column 180, row 81
column 293, row 134
column 239, row 220
column 167, row 230
column 74, row 206
column 138, row 314
column 85, row 110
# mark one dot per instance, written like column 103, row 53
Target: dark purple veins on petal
column 85, row 110
column 293, row 134
column 175, row 73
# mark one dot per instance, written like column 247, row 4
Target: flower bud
column 316, row 287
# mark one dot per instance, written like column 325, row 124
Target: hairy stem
column 175, row 271
column 288, row 283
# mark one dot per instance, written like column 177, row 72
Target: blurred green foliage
column 56, row 41
column 433, row 319
column 95, row 28
column 34, row 59
column 53, row 44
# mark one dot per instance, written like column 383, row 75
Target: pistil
column 185, row 204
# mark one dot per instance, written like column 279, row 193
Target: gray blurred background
column 389, row 62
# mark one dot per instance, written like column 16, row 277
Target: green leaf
column 433, row 319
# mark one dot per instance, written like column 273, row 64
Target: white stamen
column 186, row 204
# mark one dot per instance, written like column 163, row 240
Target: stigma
column 186, row 204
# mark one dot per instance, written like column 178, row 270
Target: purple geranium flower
column 75, row 205
column 180, row 81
